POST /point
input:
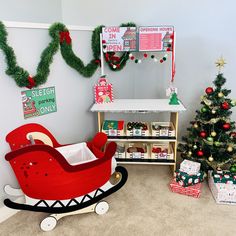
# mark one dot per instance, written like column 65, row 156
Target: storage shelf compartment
column 141, row 138
column 145, row 161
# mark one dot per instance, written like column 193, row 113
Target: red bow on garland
column 31, row 83
column 65, row 35
column 98, row 61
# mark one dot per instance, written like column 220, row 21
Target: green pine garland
column 22, row 77
column 18, row 73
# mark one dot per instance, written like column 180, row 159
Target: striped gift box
column 193, row 191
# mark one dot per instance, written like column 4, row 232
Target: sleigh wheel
column 102, row 208
column 48, row 224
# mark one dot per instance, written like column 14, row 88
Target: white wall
column 205, row 31
column 42, row 11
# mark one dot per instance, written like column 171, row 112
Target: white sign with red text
column 155, row 38
column 119, row 39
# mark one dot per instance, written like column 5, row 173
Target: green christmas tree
column 211, row 139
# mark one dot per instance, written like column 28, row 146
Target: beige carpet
column 144, row 206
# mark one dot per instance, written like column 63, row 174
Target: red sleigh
column 61, row 179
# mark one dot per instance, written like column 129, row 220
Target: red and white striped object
column 193, row 191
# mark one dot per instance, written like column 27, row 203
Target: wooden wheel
column 48, row 224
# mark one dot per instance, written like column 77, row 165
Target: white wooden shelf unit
column 142, row 106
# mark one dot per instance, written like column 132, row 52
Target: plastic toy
column 61, row 179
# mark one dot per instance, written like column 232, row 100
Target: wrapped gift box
column 190, row 167
column 224, row 177
column 185, row 179
column 113, row 127
column 223, row 193
column 193, row 191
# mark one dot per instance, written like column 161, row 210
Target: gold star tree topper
column 220, row 63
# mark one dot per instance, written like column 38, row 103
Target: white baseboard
column 6, row 212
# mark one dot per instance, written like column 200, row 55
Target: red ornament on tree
column 145, row 55
column 226, row 126
column 203, row 134
column 200, row 153
column 209, row 90
column 225, row 105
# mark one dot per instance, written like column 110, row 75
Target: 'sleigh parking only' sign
column 38, row 102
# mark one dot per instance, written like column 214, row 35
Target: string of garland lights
column 60, row 39
column 144, row 56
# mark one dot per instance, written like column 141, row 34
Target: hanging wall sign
column 103, row 91
column 155, row 38
column 119, row 39
column 38, row 102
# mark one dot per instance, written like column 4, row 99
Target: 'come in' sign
column 38, row 102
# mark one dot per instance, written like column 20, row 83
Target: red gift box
column 193, row 191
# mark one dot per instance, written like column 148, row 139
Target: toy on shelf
column 113, row 127
column 163, row 129
column 103, row 91
column 137, row 129
column 162, row 151
column 120, row 150
column 61, row 179
column 137, row 151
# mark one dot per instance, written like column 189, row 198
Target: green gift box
column 224, row 177
column 186, row 180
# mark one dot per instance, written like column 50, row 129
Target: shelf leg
column 100, row 121
column 174, row 118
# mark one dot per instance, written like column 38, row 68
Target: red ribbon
column 98, row 61
column 114, row 58
column 173, row 57
column 65, row 35
column 31, row 83
column 107, row 57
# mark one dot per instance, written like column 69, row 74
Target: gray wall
column 42, row 11
column 205, row 31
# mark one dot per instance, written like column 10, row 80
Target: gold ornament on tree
column 206, row 101
column 229, row 148
column 213, row 133
column 211, row 159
